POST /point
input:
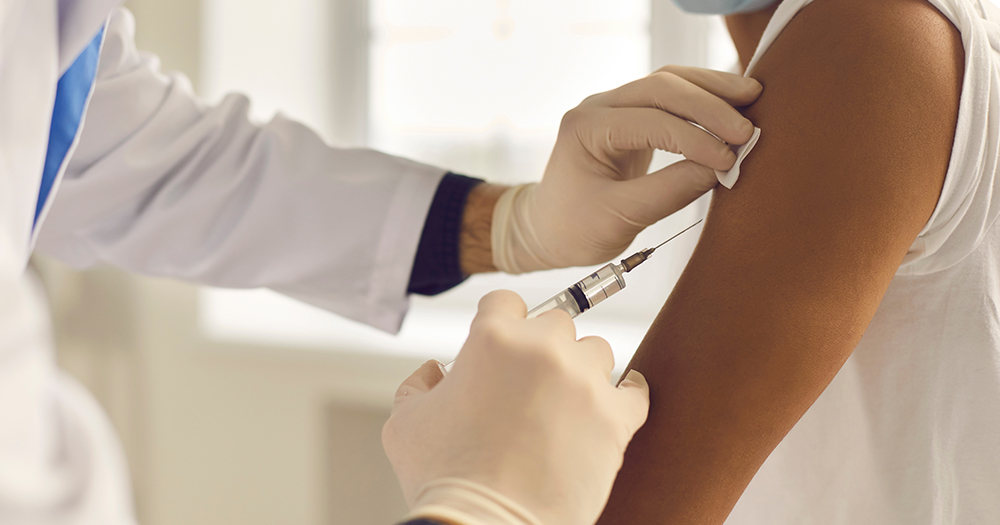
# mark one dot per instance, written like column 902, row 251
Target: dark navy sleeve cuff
column 436, row 267
column 422, row 521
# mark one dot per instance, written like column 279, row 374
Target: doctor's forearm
column 475, row 250
column 455, row 242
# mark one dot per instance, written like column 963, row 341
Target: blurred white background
column 246, row 407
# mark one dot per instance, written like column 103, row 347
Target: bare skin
column 746, row 30
column 859, row 111
column 475, row 251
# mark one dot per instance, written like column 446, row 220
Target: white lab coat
column 163, row 184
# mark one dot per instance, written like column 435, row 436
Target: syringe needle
column 595, row 288
column 651, row 250
column 629, row 263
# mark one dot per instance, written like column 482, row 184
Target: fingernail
column 730, row 158
column 635, row 377
column 746, row 127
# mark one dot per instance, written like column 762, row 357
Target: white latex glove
column 596, row 195
column 526, row 428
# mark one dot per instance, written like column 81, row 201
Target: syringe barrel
column 602, row 284
column 585, row 294
column 564, row 301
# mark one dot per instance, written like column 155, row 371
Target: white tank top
column 909, row 430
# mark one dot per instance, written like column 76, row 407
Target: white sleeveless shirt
column 909, row 430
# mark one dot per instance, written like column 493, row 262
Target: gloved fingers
column 596, row 350
column 634, row 400
column 675, row 95
column 421, row 381
column 735, row 90
column 502, row 303
column 647, row 199
column 644, row 128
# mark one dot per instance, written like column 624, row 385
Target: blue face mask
column 723, row 7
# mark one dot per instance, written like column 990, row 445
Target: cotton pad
column 729, row 178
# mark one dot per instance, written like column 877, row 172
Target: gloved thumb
column 634, row 400
column 652, row 197
column 420, row 382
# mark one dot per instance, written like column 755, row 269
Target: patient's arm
column 858, row 115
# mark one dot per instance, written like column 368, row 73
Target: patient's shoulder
column 863, row 89
column 858, row 96
column 883, row 53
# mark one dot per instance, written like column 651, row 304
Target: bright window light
column 480, row 86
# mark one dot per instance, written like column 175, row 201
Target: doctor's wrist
column 475, row 250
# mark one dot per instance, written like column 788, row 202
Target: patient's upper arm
column 858, row 116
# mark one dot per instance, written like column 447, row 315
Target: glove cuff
column 463, row 502
column 515, row 243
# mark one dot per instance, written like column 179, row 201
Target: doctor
column 103, row 158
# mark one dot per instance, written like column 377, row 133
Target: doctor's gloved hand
column 525, row 429
column 596, row 195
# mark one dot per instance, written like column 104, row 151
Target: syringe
column 598, row 286
column 595, row 288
